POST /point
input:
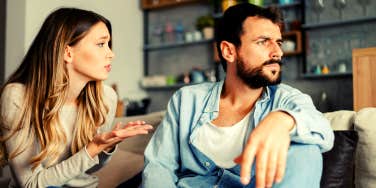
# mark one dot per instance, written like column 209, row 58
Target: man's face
column 259, row 56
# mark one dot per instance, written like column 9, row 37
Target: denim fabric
column 172, row 160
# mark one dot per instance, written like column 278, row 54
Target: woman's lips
column 108, row 67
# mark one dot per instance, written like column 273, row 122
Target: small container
column 188, row 36
column 317, row 70
column 342, row 68
column 325, row 69
column 288, row 46
column 284, row 2
column 197, row 35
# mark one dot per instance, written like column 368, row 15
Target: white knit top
column 71, row 170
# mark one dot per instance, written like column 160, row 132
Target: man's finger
column 281, row 165
column 271, row 168
column 261, row 164
column 246, row 163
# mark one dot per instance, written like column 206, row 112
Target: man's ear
column 228, row 51
column 68, row 54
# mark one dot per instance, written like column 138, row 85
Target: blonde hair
column 46, row 80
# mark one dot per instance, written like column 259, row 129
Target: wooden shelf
column 337, row 23
column 330, row 75
column 174, row 45
column 159, row 4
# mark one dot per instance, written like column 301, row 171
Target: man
column 248, row 131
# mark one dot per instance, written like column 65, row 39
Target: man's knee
column 304, row 166
column 302, row 153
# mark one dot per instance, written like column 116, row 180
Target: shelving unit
column 149, row 6
column 176, row 57
column 337, row 23
column 343, row 35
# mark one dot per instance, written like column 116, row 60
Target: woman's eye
column 101, row 44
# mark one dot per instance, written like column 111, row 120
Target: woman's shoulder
column 13, row 92
column 109, row 94
column 12, row 97
column 14, row 88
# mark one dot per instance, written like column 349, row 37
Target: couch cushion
column 122, row 167
column 338, row 163
column 341, row 120
column 365, row 163
column 137, row 144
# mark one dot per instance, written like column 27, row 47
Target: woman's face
column 91, row 57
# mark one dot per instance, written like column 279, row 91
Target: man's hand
column 269, row 143
column 106, row 141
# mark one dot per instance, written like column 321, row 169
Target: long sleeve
column 311, row 125
column 111, row 99
column 162, row 152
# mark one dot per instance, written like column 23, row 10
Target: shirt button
column 207, row 164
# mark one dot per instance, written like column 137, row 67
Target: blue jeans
column 303, row 169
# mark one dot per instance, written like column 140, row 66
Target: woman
column 56, row 114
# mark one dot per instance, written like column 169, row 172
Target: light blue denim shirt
column 171, row 160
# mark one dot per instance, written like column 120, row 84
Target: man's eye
column 261, row 42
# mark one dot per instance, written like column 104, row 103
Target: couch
column 351, row 163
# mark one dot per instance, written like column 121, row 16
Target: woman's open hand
column 106, row 141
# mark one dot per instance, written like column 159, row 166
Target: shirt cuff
column 112, row 151
column 95, row 159
column 294, row 130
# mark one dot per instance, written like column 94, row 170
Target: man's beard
column 255, row 77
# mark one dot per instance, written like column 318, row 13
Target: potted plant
column 205, row 24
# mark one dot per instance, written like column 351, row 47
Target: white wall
column 24, row 18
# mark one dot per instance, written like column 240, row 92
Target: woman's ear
column 228, row 51
column 68, row 54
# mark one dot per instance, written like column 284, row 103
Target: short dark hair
column 230, row 26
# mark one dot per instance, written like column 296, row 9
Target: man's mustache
column 272, row 61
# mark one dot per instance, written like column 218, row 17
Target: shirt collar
column 214, row 97
column 215, row 94
column 265, row 96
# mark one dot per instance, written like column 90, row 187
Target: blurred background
column 162, row 45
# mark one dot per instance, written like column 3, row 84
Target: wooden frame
column 295, row 36
column 364, row 77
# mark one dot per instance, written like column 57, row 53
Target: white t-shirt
column 222, row 144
